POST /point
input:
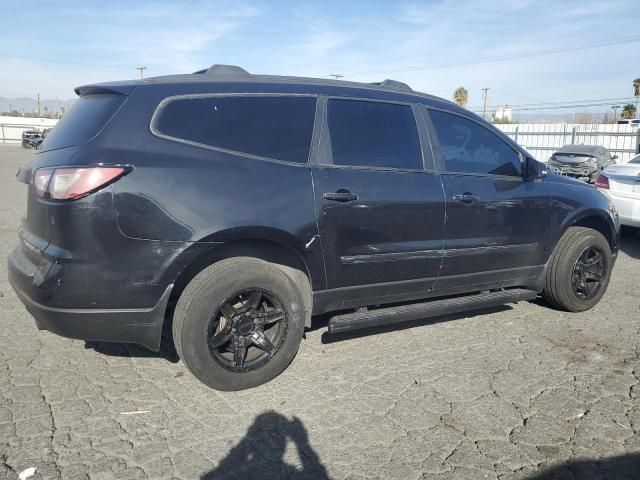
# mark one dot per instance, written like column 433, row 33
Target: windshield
column 635, row 159
column 83, row 121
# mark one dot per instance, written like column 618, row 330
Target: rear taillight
column 602, row 181
column 41, row 180
column 71, row 183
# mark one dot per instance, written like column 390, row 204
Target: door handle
column 466, row 197
column 340, row 196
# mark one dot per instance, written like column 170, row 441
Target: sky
column 435, row 46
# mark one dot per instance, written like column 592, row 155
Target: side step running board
column 433, row 308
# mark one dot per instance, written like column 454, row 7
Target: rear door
column 380, row 211
column 497, row 223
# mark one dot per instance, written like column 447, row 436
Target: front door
column 497, row 222
column 380, row 212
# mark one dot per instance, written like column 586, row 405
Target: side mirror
column 533, row 169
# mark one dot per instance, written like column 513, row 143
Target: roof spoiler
column 121, row 88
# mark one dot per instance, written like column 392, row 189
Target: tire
column 559, row 288
column 199, row 320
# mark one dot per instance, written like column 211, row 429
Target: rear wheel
column 579, row 270
column 238, row 323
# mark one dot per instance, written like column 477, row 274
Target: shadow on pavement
column 623, row 467
column 630, row 243
column 260, row 454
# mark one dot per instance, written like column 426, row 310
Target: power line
column 554, row 103
column 64, row 62
column 513, row 56
column 557, row 107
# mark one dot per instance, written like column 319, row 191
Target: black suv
column 232, row 207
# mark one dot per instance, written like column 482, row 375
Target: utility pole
column 484, row 98
column 38, row 106
column 615, row 112
column 336, row 75
column 142, row 69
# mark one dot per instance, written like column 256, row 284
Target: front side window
column 468, row 147
column 276, row 127
column 373, row 134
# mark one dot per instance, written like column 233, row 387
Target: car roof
column 232, row 73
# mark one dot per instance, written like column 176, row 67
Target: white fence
column 11, row 128
column 541, row 140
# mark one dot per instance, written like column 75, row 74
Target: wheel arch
column 592, row 218
column 210, row 251
column 599, row 222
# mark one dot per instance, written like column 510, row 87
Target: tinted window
column 266, row 126
column 468, row 147
column 83, row 121
column 373, row 134
column 635, row 159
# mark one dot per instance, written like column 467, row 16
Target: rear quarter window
column 274, row 127
column 83, row 121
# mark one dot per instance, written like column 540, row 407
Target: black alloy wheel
column 589, row 273
column 247, row 330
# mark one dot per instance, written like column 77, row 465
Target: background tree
column 461, row 96
column 629, row 111
column 584, row 118
column 636, row 90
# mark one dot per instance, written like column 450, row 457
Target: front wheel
column 579, row 270
column 238, row 323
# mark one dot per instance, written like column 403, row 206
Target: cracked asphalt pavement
column 518, row 392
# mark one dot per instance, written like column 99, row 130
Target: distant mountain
column 26, row 104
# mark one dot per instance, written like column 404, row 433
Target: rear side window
column 83, row 121
column 277, row 127
column 468, row 147
column 373, row 134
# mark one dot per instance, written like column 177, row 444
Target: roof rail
column 218, row 69
column 393, row 84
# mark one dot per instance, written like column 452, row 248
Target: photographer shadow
column 260, row 454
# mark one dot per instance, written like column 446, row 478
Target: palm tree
column 629, row 111
column 461, row 96
column 636, row 90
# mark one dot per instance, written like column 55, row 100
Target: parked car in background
column 633, row 121
column 32, row 139
column 234, row 207
column 581, row 161
column 621, row 184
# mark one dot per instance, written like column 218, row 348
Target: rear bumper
column 132, row 325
